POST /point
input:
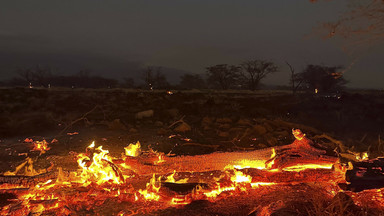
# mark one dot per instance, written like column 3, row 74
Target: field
column 177, row 123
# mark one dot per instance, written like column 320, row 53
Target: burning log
column 183, row 188
column 300, row 154
column 364, row 175
column 27, row 181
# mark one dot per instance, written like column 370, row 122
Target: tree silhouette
column 295, row 84
column 154, row 78
column 223, row 76
column 192, row 81
column 322, row 78
column 37, row 75
column 253, row 71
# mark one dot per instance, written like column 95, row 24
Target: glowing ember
column 41, row 146
column 102, row 177
column 160, row 158
column 300, row 167
column 133, row 150
column 98, row 168
column 152, row 189
column 298, row 134
column 242, row 164
column 239, row 177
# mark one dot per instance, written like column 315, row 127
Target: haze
column 117, row 38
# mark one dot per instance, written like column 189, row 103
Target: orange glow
column 273, row 153
column 170, row 178
column 97, row 169
column 133, row 150
column 242, row 164
column 102, row 177
column 152, row 189
column 41, row 146
column 298, row 134
column 239, row 177
column 300, row 167
column 180, row 201
column 160, row 158
column 362, row 156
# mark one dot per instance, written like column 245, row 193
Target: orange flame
column 41, row 146
column 133, row 150
column 99, row 170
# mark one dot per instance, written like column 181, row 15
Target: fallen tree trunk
column 29, row 181
column 300, row 152
column 365, row 175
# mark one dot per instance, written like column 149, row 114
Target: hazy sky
column 118, row 37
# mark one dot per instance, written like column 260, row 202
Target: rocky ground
column 187, row 122
column 183, row 123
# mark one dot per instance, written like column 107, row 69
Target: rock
column 261, row 145
column 206, row 128
column 182, row 128
column 281, row 134
column 223, row 134
column 259, row 130
column 115, row 125
column 159, row 124
column 162, row 131
column 224, row 120
column 244, row 122
column 268, row 127
column 207, row 121
column 144, row 114
column 173, row 113
column 272, row 141
column 224, row 126
column 236, row 130
column 133, row 130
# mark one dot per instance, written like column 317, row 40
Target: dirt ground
column 192, row 122
column 183, row 122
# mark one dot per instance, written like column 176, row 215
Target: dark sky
column 118, row 37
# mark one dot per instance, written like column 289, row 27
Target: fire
column 160, row 158
column 170, row 178
column 133, row 150
column 300, row 167
column 152, row 189
column 102, row 177
column 41, row 146
column 29, row 170
column 242, row 164
column 98, row 168
column 298, row 134
column 239, row 177
column 238, row 182
column 362, row 156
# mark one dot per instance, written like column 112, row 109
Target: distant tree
column 128, row 82
column 26, row 75
column 37, row 75
column 254, row 71
column 149, row 77
column 82, row 78
column 295, row 83
column 154, row 78
column 322, row 78
column 192, row 81
column 160, row 80
column 223, row 76
column 42, row 75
